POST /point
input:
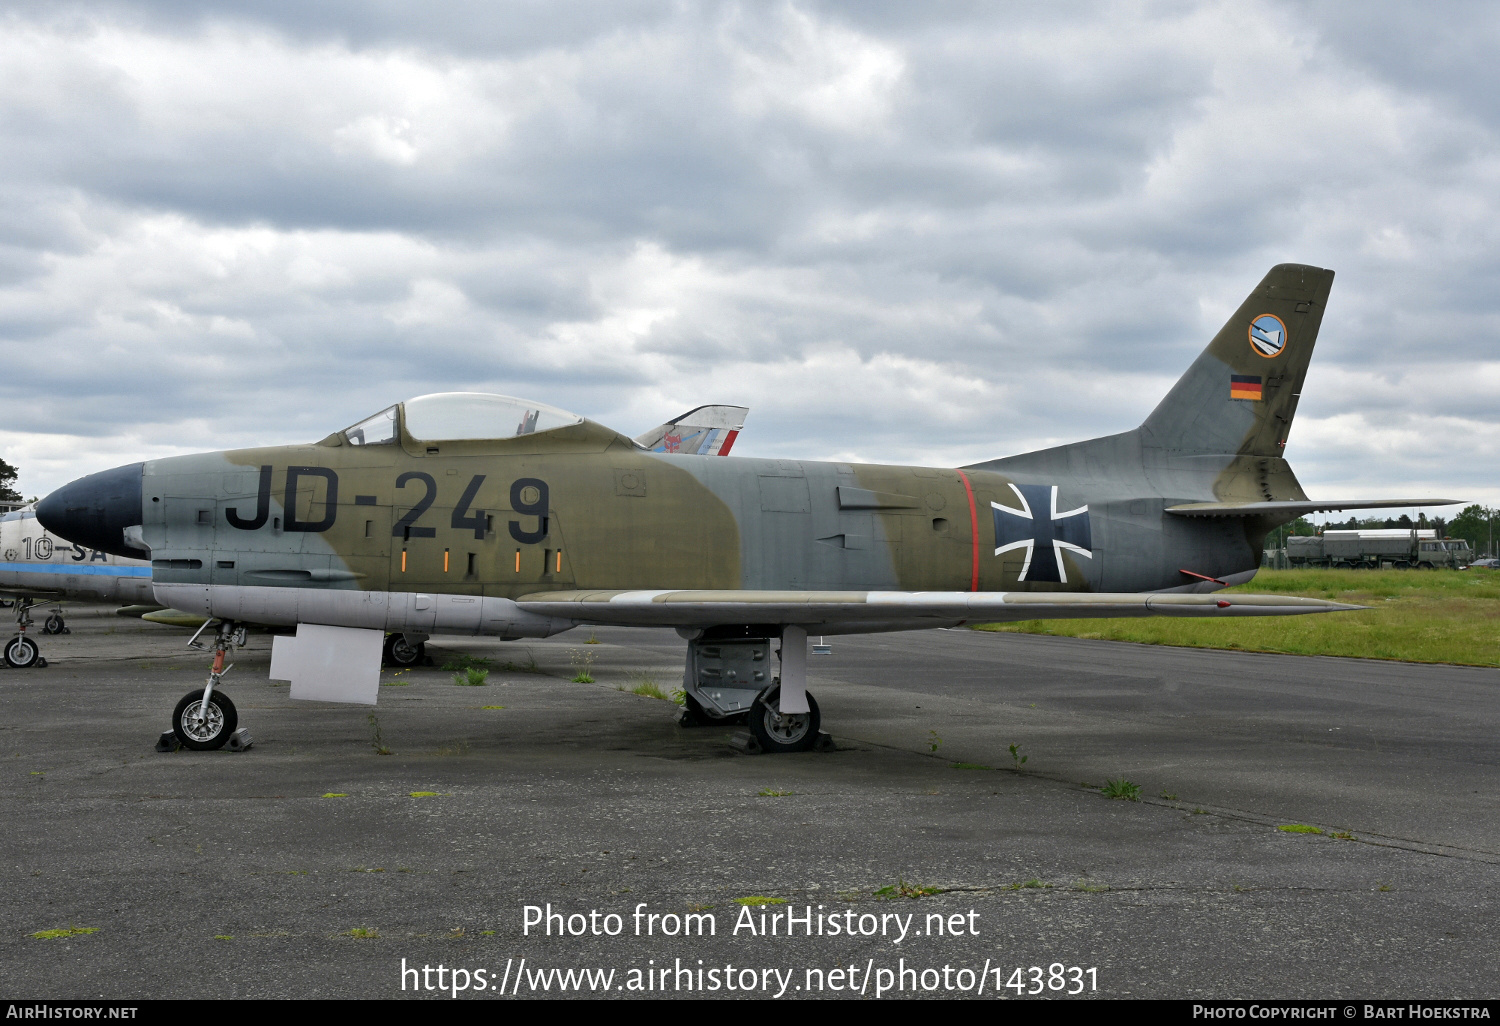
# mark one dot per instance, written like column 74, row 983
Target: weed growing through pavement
column 759, row 899
column 584, row 663
column 1017, row 758
column 1169, row 797
column 378, row 741
column 464, row 661
column 1031, row 885
column 362, row 933
column 902, row 889
column 933, row 741
column 768, row 793
column 473, row 677
column 648, row 688
column 1121, row 789
column 1298, row 828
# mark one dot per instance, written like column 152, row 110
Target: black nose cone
column 95, row 510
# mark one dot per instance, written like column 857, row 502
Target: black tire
column 54, row 624
column 1402, row 564
column 21, row 652
column 400, row 652
column 777, row 733
column 1424, row 565
column 222, row 721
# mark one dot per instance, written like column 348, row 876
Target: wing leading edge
column 841, row 612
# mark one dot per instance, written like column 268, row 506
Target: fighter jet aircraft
column 481, row 514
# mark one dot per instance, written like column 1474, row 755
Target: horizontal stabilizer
column 839, row 612
column 1296, row 507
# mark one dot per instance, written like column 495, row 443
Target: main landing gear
column 404, row 649
column 729, row 680
column 206, row 720
column 21, row 652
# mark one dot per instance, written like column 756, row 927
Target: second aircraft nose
column 94, row 511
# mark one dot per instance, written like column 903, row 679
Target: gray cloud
column 937, row 233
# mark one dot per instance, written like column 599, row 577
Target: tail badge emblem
column 1267, row 335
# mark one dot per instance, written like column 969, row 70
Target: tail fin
column 1239, row 396
column 704, row 430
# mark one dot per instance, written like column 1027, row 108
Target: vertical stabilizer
column 1239, row 396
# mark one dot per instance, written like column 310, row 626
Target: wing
column 1295, row 507
column 705, row 431
column 857, row 612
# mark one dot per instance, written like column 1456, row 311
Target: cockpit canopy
column 458, row 416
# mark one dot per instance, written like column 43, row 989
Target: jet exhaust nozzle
column 94, row 511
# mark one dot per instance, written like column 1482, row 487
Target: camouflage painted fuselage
column 581, row 508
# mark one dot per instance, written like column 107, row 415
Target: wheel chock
column 168, row 741
column 744, row 742
column 40, row 664
column 824, row 743
column 239, row 740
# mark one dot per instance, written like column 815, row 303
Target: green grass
column 1298, row 828
column 759, row 899
column 1420, row 616
column 1121, row 789
column 69, row 931
column 769, row 793
column 473, row 677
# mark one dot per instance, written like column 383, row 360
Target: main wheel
column 55, row 624
column 21, row 652
column 215, row 728
column 783, row 732
column 400, row 652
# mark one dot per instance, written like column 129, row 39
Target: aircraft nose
column 94, row 511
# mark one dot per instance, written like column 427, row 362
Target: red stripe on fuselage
column 728, row 443
column 973, row 529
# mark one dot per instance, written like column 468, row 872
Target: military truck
column 1379, row 547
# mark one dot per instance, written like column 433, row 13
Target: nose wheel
column 202, row 726
column 22, row 653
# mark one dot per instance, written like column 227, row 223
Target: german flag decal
column 1245, row 386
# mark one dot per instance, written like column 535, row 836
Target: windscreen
column 377, row 430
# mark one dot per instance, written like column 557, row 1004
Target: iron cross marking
column 1042, row 531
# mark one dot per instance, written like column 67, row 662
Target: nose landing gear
column 21, row 652
column 206, row 720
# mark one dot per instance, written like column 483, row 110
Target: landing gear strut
column 204, row 720
column 21, row 652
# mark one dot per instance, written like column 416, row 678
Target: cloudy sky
column 931, row 233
